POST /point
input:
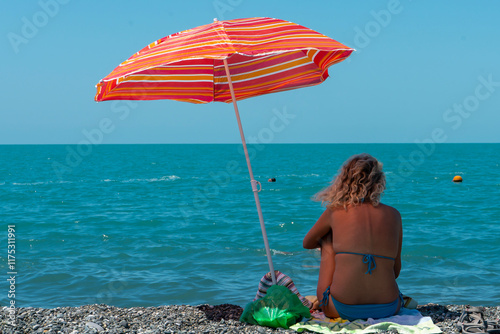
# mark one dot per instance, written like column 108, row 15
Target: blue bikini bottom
column 364, row 311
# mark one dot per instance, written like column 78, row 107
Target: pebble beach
column 174, row 319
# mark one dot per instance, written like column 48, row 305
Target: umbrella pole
column 252, row 181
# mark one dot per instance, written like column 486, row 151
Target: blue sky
column 423, row 71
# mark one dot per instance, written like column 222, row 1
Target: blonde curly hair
column 359, row 180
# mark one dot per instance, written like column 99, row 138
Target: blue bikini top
column 369, row 260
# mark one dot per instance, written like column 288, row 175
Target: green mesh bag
column 279, row 308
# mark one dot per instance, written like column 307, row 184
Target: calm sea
column 148, row 225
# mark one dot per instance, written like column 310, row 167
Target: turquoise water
column 147, row 225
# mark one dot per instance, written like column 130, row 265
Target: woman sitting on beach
column 360, row 240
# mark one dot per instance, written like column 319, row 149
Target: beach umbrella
column 226, row 61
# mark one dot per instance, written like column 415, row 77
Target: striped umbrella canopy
column 226, row 61
column 264, row 55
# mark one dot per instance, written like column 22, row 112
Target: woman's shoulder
column 389, row 210
column 380, row 207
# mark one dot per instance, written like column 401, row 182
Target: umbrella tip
column 215, row 19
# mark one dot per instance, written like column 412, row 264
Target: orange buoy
column 457, row 178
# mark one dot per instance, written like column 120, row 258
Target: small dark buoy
column 272, row 180
column 457, row 178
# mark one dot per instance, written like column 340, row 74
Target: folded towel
column 406, row 322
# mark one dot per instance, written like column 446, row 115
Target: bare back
column 372, row 230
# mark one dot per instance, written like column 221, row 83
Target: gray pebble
column 176, row 319
column 94, row 325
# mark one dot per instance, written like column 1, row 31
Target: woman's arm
column 397, row 263
column 321, row 228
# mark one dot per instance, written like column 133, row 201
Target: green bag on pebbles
column 278, row 308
